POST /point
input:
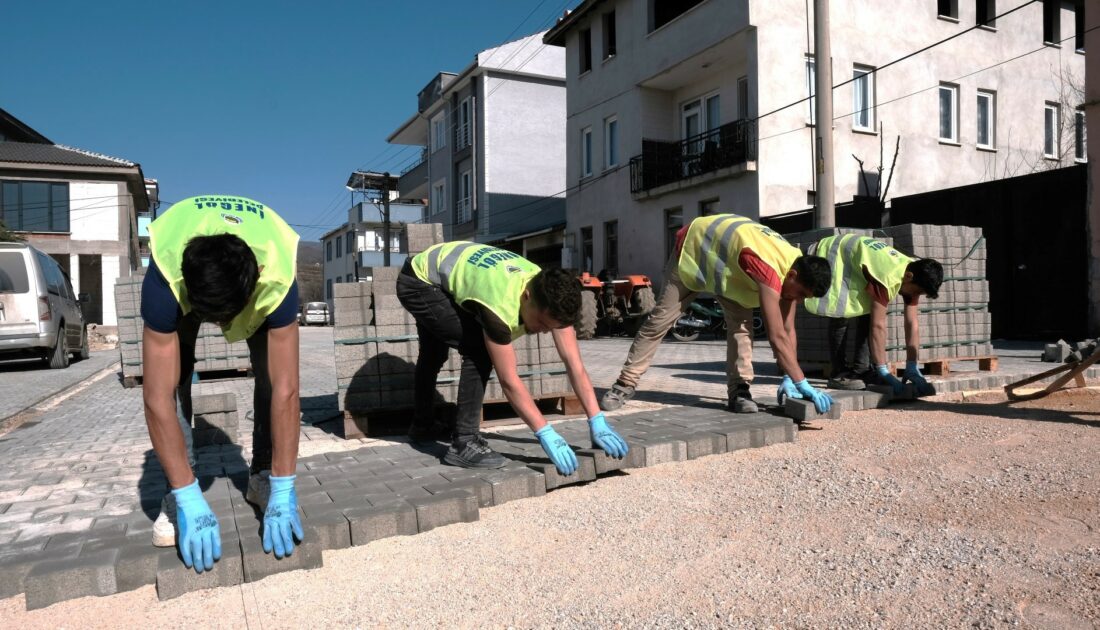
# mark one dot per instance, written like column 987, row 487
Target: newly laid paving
column 346, row 498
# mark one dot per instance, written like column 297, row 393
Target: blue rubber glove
column 557, row 449
column 888, row 377
column 281, row 518
column 821, row 400
column 200, row 539
column 787, row 390
column 605, row 437
column 912, row 375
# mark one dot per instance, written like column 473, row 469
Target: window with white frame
column 339, row 246
column 439, row 131
column 350, row 241
column 439, row 191
column 462, row 125
column 949, row 113
column 811, row 80
column 1080, row 150
column 611, row 142
column 586, row 152
column 863, row 98
column 987, row 119
column 1051, row 122
column 465, row 206
column 701, row 115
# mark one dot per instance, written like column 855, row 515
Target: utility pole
column 823, row 115
column 386, row 218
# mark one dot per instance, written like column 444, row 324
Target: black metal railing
column 666, row 162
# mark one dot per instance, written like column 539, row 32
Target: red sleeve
column 876, row 290
column 759, row 270
column 680, row 236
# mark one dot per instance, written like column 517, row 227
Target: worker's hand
column 787, row 390
column 606, row 438
column 821, row 400
column 912, row 375
column 200, row 540
column 888, row 377
column 281, row 518
column 557, row 449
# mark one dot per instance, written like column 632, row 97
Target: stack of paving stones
column 351, row 498
column 212, row 352
column 214, row 419
column 957, row 325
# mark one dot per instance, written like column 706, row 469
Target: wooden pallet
column 209, row 376
column 395, row 421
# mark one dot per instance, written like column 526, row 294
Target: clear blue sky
column 274, row 100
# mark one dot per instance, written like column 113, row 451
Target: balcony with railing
column 413, row 182
column 725, row 151
column 462, row 136
column 463, row 211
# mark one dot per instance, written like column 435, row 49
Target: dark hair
column 559, row 293
column 814, row 274
column 928, row 275
column 220, row 273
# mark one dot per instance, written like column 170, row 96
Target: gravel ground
column 952, row 514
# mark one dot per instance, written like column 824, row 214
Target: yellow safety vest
column 708, row 261
column 273, row 242
column 494, row 278
column 848, row 256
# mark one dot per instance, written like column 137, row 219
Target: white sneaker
column 164, row 528
column 259, row 489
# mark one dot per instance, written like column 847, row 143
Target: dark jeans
column 441, row 325
column 838, row 344
column 188, row 333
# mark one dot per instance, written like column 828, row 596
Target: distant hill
column 311, row 282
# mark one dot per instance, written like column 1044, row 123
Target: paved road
column 25, row 383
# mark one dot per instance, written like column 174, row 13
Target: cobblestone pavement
column 25, row 383
column 84, row 470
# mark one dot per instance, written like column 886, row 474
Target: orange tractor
column 614, row 306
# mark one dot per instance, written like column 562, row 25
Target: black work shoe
column 435, row 432
column 740, row 400
column 847, row 381
column 474, row 453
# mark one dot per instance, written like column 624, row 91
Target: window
column 328, row 289
column 811, row 80
column 674, row 220
column 1079, row 26
column 611, row 248
column 985, row 10
column 662, row 12
column 347, row 278
column 949, row 113
column 708, row 207
column 586, row 249
column 350, row 240
column 328, row 250
column 439, row 132
column 586, row 50
column 438, row 197
column 1079, row 148
column 948, row 8
column 34, row 206
column 863, row 98
column 611, row 142
column 701, row 115
column 1051, row 122
column 1052, row 21
column 987, row 119
column 586, row 152
column 465, row 210
column 609, row 44
column 742, row 99
column 339, row 246
column 462, row 125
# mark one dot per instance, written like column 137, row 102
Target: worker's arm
column 912, row 334
column 504, row 362
column 876, row 342
column 282, row 369
column 565, row 339
column 161, row 374
column 782, row 341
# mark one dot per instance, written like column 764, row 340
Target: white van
column 40, row 316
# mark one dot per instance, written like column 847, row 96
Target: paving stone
column 802, row 410
column 603, row 462
column 52, row 581
column 519, row 483
column 137, row 560
column 704, row 443
column 14, row 568
column 445, row 508
column 873, row 399
column 375, row 522
column 479, row 488
column 586, row 471
column 175, row 579
column 329, row 526
column 258, row 565
column 663, row 451
column 848, row 400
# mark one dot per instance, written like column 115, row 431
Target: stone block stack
column 214, row 419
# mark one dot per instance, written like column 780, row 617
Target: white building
column 664, row 99
column 493, row 138
column 78, row 206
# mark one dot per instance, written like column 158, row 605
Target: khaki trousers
column 671, row 304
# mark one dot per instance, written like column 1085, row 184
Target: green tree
column 7, row 236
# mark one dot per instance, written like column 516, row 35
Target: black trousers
column 441, row 325
column 838, row 344
column 188, row 333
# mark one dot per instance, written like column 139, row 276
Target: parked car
column 315, row 313
column 40, row 315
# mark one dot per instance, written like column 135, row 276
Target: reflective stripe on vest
column 709, row 258
column 271, row 240
column 848, row 255
column 492, row 277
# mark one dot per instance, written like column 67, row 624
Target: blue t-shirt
column 161, row 310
